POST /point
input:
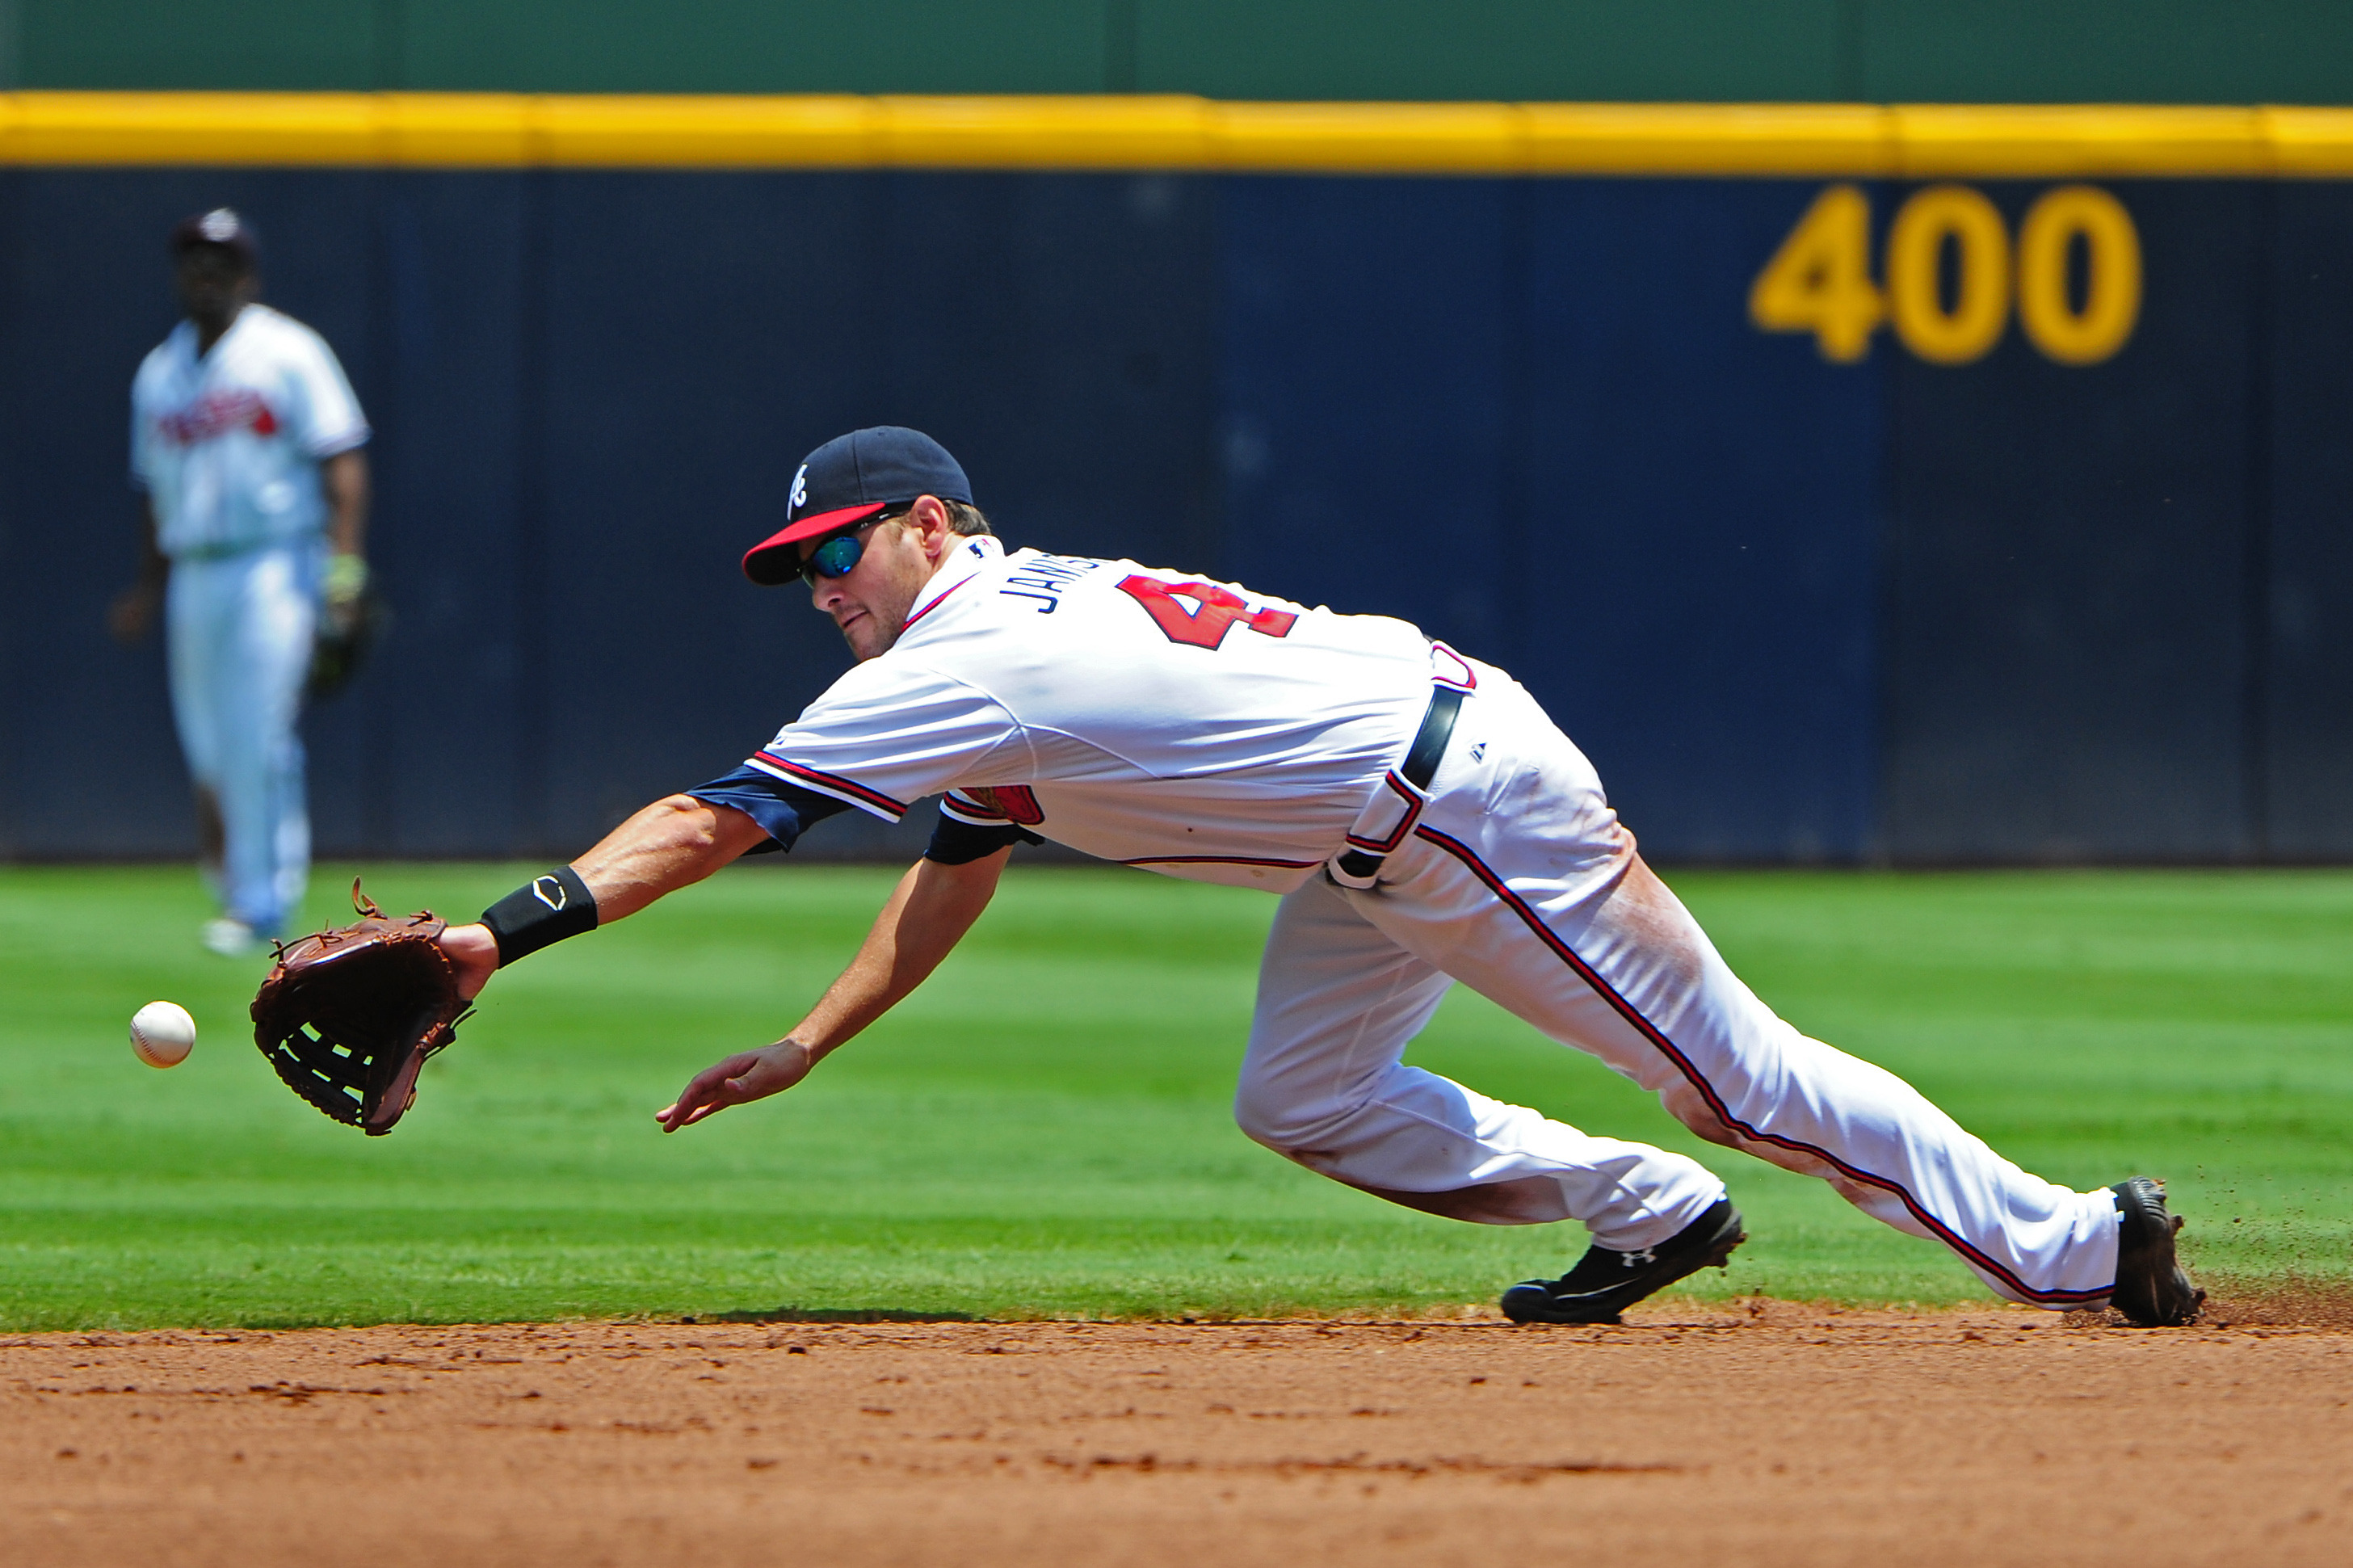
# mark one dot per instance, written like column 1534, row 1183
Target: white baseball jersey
column 1141, row 716
column 229, row 444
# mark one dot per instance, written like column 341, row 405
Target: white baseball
column 161, row 1033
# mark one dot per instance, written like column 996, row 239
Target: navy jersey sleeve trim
column 955, row 842
column 785, row 812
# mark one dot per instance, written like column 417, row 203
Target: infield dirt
column 1776, row 1435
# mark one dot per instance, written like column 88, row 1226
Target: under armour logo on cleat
column 1642, row 1259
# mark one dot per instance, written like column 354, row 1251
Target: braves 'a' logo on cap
column 799, row 497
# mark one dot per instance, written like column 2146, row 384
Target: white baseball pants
column 1518, row 880
column 240, row 630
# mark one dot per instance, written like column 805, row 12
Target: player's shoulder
column 883, row 694
column 265, row 330
column 267, row 340
column 175, row 353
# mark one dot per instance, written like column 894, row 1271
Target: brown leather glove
column 348, row 1017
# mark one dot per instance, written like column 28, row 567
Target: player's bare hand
column 473, row 952
column 745, row 1076
column 133, row 612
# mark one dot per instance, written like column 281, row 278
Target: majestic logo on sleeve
column 799, row 497
column 216, row 414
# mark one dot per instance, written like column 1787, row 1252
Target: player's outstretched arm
column 670, row 844
column 927, row 915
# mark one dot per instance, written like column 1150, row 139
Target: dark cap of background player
column 848, row 480
column 222, row 227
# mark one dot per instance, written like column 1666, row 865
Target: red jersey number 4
column 1213, row 612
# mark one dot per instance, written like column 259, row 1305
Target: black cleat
column 1605, row 1282
column 2152, row 1289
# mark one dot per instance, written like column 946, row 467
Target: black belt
column 1421, row 766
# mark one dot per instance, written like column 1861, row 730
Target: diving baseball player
column 246, row 438
column 1422, row 821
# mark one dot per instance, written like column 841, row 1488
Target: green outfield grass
column 1043, row 1129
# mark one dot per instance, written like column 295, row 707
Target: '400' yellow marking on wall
column 1820, row 280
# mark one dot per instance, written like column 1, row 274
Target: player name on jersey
column 1139, row 715
column 1043, row 577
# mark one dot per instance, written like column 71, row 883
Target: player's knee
column 1700, row 1113
column 1253, row 1115
column 1269, row 1116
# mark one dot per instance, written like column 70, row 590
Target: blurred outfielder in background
column 246, row 439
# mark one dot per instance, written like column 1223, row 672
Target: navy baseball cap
column 222, row 227
column 848, row 480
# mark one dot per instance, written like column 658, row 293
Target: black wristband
column 545, row 909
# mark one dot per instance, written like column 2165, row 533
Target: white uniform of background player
column 229, row 445
column 1193, row 729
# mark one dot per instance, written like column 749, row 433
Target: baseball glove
column 349, row 628
column 347, row 1017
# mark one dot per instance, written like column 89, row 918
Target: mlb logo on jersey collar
column 848, row 480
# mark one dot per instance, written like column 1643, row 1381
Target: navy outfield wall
column 1795, row 608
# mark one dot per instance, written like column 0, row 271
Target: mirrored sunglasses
column 840, row 555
